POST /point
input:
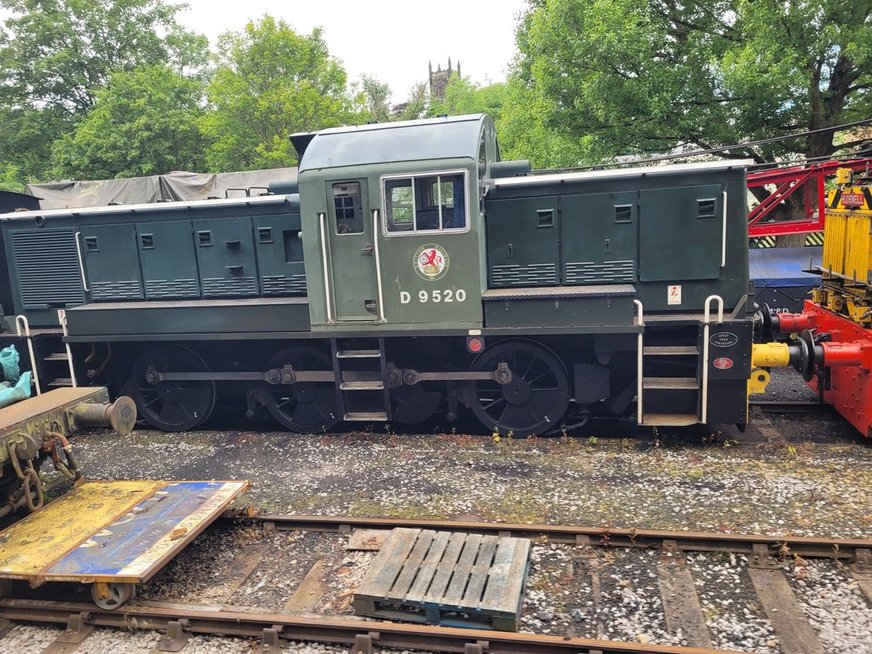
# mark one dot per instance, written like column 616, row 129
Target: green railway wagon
column 409, row 271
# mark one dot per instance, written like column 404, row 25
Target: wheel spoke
column 493, row 402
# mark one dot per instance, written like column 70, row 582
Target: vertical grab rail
column 703, row 418
column 640, row 321
column 62, row 319
column 22, row 328
column 322, row 217
column 81, row 261
column 378, row 277
column 724, row 233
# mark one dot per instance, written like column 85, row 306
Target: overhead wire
column 729, row 148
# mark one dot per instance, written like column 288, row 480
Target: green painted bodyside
column 143, row 321
column 644, row 230
column 343, row 270
column 203, row 250
column 536, row 313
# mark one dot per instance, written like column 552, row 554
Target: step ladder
column 359, row 367
column 57, row 358
column 672, row 369
column 671, row 400
column 51, row 362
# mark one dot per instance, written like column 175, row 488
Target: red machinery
column 808, row 179
column 834, row 348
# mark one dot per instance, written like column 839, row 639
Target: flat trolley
column 112, row 534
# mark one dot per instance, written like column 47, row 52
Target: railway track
column 790, row 406
column 677, row 590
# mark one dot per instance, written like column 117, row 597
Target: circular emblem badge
column 723, row 363
column 430, row 262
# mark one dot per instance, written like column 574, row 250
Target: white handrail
column 708, row 304
column 703, row 417
column 724, row 233
column 378, row 277
column 22, row 328
column 62, row 319
column 640, row 321
column 81, row 261
column 322, row 218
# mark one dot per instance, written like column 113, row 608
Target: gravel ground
column 704, row 482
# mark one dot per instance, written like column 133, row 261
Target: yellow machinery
column 846, row 268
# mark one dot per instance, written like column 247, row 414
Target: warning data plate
column 114, row 531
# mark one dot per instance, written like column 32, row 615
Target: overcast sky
column 391, row 40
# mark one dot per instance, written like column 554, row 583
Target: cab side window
column 425, row 203
column 348, row 207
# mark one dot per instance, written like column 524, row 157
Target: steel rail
column 790, row 406
column 215, row 620
column 688, row 541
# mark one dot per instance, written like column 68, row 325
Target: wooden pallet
column 446, row 578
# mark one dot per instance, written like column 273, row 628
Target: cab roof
column 416, row 140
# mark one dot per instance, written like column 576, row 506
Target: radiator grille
column 48, row 268
column 534, row 274
column 126, row 290
column 171, row 288
column 222, row 287
column 283, row 284
column 589, row 272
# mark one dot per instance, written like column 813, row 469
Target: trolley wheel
column 110, row 596
column 171, row 405
column 302, row 407
column 535, row 399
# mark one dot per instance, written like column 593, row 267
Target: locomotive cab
column 392, row 223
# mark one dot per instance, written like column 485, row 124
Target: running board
column 670, row 419
column 365, row 416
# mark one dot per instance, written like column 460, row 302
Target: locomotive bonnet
column 408, row 271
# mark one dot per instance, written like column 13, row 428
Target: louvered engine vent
column 48, row 269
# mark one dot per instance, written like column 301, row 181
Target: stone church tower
column 439, row 79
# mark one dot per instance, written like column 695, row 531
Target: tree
column 144, row 122
column 270, row 82
column 627, row 77
column 463, row 96
column 56, row 54
column 416, row 106
column 372, row 98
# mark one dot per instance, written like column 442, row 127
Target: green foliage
column 56, row 55
column 270, row 82
column 25, row 144
column 613, row 77
column 372, row 101
column 144, row 123
column 416, row 106
column 10, row 178
column 463, row 96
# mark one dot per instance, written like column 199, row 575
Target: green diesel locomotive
column 406, row 271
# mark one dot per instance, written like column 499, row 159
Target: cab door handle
column 366, row 250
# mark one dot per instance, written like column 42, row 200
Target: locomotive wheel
column 172, row 405
column 303, row 407
column 532, row 402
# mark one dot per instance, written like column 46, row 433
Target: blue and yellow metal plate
column 112, row 531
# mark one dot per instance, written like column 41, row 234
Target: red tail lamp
column 474, row 344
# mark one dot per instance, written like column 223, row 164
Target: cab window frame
column 357, row 209
column 412, row 179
